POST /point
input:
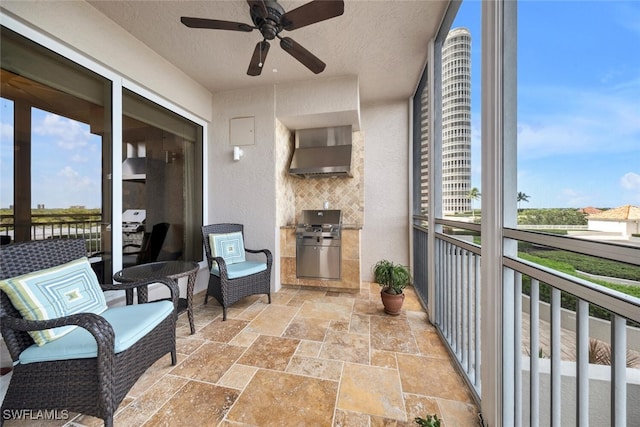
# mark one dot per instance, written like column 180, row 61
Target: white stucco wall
column 245, row 191
column 385, row 234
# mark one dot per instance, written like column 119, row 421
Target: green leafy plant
column 392, row 277
column 430, row 421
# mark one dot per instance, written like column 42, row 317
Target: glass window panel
column 162, row 177
column 461, row 115
column 62, row 148
column 578, row 133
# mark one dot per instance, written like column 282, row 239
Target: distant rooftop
column 622, row 213
column 590, row 210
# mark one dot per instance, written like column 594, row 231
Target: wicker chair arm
column 222, row 266
column 266, row 252
column 168, row 282
column 95, row 324
column 92, row 322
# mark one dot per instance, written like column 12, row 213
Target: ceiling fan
column 269, row 17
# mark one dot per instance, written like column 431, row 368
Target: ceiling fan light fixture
column 271, row 19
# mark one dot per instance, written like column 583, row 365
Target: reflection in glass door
column 161, row 184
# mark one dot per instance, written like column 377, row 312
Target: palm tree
column 522, row 197
column 473, row 194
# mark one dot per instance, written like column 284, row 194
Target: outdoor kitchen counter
column 350, row 261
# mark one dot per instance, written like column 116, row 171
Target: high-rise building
column 456, row 121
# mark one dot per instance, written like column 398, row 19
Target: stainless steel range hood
column 322, row 152
column 134, row 167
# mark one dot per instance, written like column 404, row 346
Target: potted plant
column 393, row 278
column 430, row 421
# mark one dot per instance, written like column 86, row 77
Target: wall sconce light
column 237, row 153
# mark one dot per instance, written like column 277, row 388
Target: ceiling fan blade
column 312, row 12
column 214, row 24
column 308, row 59
column 260, row 6
column 258, row 58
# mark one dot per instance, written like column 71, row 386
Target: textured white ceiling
column 384, row 43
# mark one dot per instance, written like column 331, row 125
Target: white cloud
column 78, row 158
column 630, row 181
column 68, row 172
column 6, row 132
column 560, row 120
column 68, row 134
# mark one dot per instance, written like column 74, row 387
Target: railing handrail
column 617, row 302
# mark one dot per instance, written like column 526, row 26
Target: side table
column 156, row 270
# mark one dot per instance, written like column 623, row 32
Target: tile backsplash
column 298, row 194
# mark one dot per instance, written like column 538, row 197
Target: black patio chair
column 92, row 385
column 230, row 282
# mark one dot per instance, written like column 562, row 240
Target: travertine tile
column 144, row 407
column 384, row 359
column 307, row 328
column 186, row 345
column 313, row 367
column 457, row 413
column 421, row 406
column 273, row 320
column 312, row 357
column 244, row 338
column 309, row 348
column 350, row 419
column 270, row 352
column 430, row 376
column 209, row 362
column 430, row 344
column 283, row 399
column 392, row 334
column 371, row 390
column 346, row 347
column 360, row 324
column 195, row 403
column 222, row 331
column 238, row 376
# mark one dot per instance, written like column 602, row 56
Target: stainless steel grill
column 133, row 221
column 319, row 245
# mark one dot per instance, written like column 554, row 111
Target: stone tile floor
column 311, row 358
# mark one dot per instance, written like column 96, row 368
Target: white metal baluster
column 618, row 371
column 556, row 359
column 517, row 343
column 582, row 374
column 465, row 311
column 534, row 378
column 445, row 290
column 478, row 284
column 448, row 286
column 438, row 285
column 456, row 301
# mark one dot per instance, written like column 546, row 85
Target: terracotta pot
column 392, row 303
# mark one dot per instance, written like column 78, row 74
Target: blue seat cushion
column 130, row 323
column 241, row 269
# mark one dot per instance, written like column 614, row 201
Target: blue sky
column 578, row 101
column 66, row 161
column 578, row 113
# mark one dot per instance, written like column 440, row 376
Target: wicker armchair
column 229, row 290
column 92, row 386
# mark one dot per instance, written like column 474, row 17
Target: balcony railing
column 55, row 226
column 551, row 368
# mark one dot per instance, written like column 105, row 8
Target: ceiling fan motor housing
column 268, row 25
